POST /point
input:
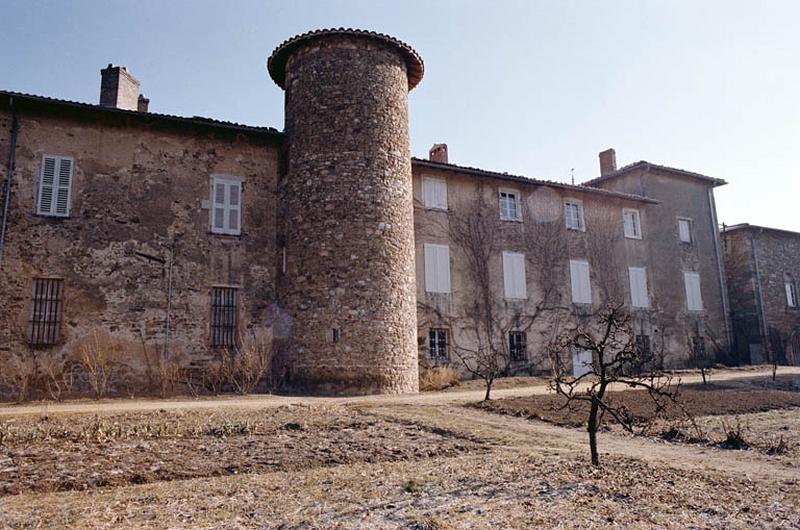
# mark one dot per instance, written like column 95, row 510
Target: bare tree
column 610, row 339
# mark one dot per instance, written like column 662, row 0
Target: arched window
column 791, row 290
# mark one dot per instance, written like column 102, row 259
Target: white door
column 581, row 363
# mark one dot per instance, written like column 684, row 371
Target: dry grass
column 438, row 378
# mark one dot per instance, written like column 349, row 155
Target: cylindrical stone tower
column 345, row 225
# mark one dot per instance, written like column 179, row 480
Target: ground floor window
column 45, row 323
column 517, row 346
column 224, row 316
column 699, row 347
column 643, row 348
column 437, row 343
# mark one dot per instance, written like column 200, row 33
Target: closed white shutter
column 434, row 193
column 638, row 281
column 55, row 186
column 437, row 268
column 694, row 301
column 631, row 224
column 514, row 275
column 579, row 280
column 226, row 206
column 791, row 298
column 685, row 230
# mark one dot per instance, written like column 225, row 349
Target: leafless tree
column 610, row 339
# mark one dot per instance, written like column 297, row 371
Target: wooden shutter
column 685, row 230
column 444, row 268
column 55, row 185
column 694, row 300
column 63, row 186
column 631, row 224
column 437, row 268
column 434, row 193
column 790, row 294
column 226, row 207
column 514, row 275
column 580, row 283
column 638, row 282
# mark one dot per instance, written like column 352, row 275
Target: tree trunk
column 488, row 389
column 591, row 426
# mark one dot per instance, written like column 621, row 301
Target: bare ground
column 382, row 463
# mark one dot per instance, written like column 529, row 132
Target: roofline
column 420, row 162
column 643, row 164
column 748, row 226
column 276, row 64
column 146, row 116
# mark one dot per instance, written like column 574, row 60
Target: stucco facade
column 321, row 235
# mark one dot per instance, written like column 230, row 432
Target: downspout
column 720, row 267
column 12, row 148
column 760, row 300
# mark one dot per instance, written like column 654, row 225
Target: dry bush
column 18, row 374
column 58, row 377
column 165, row 372
column 98, row 355
column 734, row 437
column 245, row 366
column 438, row 378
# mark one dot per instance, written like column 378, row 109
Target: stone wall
column 346, row 220
column 139, row 187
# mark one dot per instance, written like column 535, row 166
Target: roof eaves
column 648, row 165
column 194, row 120
column 528, row 180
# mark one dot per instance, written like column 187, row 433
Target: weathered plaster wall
column 137, row 188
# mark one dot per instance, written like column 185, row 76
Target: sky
column 532, row 87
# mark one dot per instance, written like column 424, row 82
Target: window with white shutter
column 226, row 205
column 55, row 186
column 434, row 193
column 685, row 230
column 437, row 268
column 514, row 276
column 691, row 281
column 638, row 281
column 791, row 290
column 579, row 280
column 631, row 224
column 573, row 214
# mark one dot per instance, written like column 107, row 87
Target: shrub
column 778, row 447
column 18, row 373
column 98, row 355
column 246, row 365
column 734, row 438
column 438, row 378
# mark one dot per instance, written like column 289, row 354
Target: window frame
column 790, row 290
column 53, row 211
column 435, row 344
column 690, row 229
column 581, row 219
column 227, row 181
column 637, row 223
column 224, row 334
column 512, row 347
column 517, row 203
column 434, row 181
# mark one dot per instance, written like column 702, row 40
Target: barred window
column 224, row 316
column 45, row 323
column 517, row 346
column 437, row 343
column 699, row 346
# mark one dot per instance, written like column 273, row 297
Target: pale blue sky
column 528, row 87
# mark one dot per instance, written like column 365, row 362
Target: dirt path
column 533, row 436
column 268, row 400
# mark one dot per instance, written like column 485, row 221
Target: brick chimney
column 438, row 153
column 118, row 88
column 608, row 161
column 143, row 103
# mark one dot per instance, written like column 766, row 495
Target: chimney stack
column 438, row 153
column 143, row 103
column 118, row 88
column 608, row 161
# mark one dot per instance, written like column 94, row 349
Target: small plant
column 231, row 428
column 98, row 356
column 247, row 364
column 438, row 378
column 412, row 486
column 778, row 447
column 18, row 374
column 734, row 437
